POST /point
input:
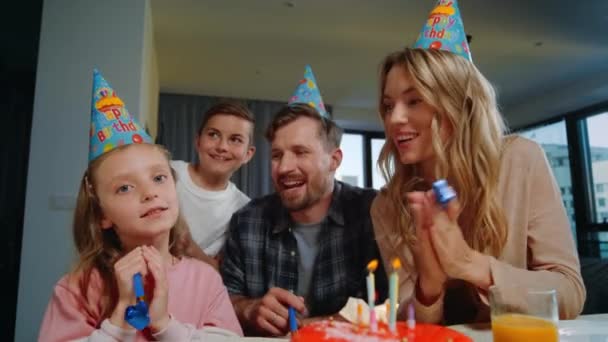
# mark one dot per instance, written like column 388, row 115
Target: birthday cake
column 332, row 331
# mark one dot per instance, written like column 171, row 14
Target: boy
column 224, row 142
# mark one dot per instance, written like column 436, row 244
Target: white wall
column 149, row 77
column 75, row 37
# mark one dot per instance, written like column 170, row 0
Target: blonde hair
column 98, row 249
column 469, row 158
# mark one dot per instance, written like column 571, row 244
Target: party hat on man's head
column 111, row 123
column 308, row 92
column 444, row 30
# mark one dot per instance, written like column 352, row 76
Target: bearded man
column 307, row 245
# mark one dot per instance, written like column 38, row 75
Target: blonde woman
column 506, row 228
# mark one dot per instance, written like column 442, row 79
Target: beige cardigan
column 539, row 252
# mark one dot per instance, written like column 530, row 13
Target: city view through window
column 553, row 140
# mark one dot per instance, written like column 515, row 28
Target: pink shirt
column 197, row 299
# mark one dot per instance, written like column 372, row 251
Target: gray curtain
column 179, row 117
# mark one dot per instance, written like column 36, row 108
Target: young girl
column 507, row 228
column 126, row 222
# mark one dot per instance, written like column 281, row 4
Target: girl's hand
column 457, row 258
column 124, row 269
column 159, row 316
column 431, row 276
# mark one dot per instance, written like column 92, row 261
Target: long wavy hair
column 98, row 249
column 469, row 158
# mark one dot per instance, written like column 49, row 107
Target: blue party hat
column 444, row 30
column 308, row 92
column 111, row 123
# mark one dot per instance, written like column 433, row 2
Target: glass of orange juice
column 523, row 314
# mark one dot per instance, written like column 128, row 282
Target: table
column 590, row 324
column 568, row 330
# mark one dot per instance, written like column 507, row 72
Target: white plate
column 583, row 331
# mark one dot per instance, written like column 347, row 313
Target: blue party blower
column 137, row 315
column 443, row 192
column 293, row 323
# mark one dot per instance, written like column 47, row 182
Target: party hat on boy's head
column 111, row 123
column 308, row 92
column 444, row 30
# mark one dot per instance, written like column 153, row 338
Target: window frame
column 583, row 189
column 367, row 152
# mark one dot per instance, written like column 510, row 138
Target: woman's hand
column 159, row 316
column 431, row 276
column 458, row 260
column 124, row 269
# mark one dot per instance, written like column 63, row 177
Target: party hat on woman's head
column 444, row 30
column 111, row 123
column 308, row 92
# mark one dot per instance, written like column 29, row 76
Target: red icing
column 332, row 331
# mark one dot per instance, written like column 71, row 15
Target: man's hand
column 268, row 315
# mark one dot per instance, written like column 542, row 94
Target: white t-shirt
column 206, row 212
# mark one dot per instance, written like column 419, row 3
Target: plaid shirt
column 261, row 251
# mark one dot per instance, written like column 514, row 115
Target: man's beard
column 311, row 197
column 298, row 204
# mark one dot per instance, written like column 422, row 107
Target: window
column 598, row 145
column 603, row 243
column 360, row 151
column 601, row 202
column 552, row 138
column 351, row 169
column 377, row 179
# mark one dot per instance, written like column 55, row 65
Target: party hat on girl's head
column 444, row 30
column 308, row 92
column 111, row 123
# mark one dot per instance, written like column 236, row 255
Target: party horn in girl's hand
column 137, row 315
column 443, row 192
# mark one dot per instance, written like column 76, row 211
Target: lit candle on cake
column 393, row 293
column 371, row 294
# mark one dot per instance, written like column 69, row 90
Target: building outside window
column 351, row 169
column 552, row 138
column 598, row 143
